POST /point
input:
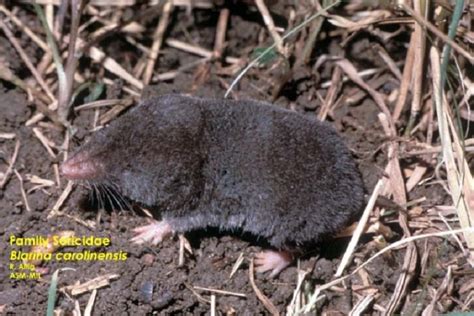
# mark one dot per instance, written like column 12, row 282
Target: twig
column 361, row 306
column 38, row 41
column 96, row 104
column 22, row 189
column 406, row 79
column 331, row 95
column 459, row 177
column 237, row 265
column 64, row 195
column 90, row 303
column 438, row 33
column 26, row 60
column 111, row 65
column 418, row 66
column 220, row 33
column 266, row 51
column 62, row 80
column 7, row 135
column 193, row 49
column 213, row 305
column 11, row 163
column 220, row 291
column 262, row 297
column 351, row 72
column 44, row 141
column 395, row 245
column 360, row 228
column 65, row 92
column 158, row 40
column 310, row 42
column 268, row 20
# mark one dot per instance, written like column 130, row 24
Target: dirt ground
column 173, row 286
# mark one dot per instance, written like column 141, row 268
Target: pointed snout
column 81, row 167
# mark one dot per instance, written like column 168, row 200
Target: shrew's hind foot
column 154, row 233
column 274, row 261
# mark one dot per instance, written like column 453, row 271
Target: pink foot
column 155, row 232
column 272, row 260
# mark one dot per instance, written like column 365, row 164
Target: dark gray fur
column 233, row 165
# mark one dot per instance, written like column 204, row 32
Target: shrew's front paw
column 274, row 261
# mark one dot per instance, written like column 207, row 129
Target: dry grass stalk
column 352, row 73
column 22, row 190
column 408, row 240
column 126, row 89
column 262, row 297
column 334, row 89
column 45, row 142
column 96, row 104
column 460, row 181
column 223, row 292
column 116, row 110
column 420, row 170
column 360, row 228
column 64, row 195
column 7, row 135
column 11, row 163
column 91, row 285
column 406, row 79
column 113, row 66
column 419, row 35
column 199, row 297
column 197, row 50
column 220, row 33
column 172, row 74
column 199, row 4
column 38, row 182
column 295, row 304
column 440, row 291
column 458, row 241
column 24, row 28
column 268, row 20
column 157, row 41
column 65, row 89
column 184, row 245
column 90, row 303
column 408, row 269
column 439, row 34
column 39, row 116
column 237, row 265
column 118, row 3
column 323, row 11
column 362, row 305
column 363, row 73
column 26, row 59
column 396, row 186
column 307, row 308
column 213, row 305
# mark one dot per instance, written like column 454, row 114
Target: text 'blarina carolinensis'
column 243, row 165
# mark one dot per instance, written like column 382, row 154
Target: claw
column 154, row 233
column 274, row 261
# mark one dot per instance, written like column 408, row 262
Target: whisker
column 107, row 195
column 91, row 196
column 118, row 196
column 127, row 205
column 115, row 188
column 99, row 196
column 111, row 195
